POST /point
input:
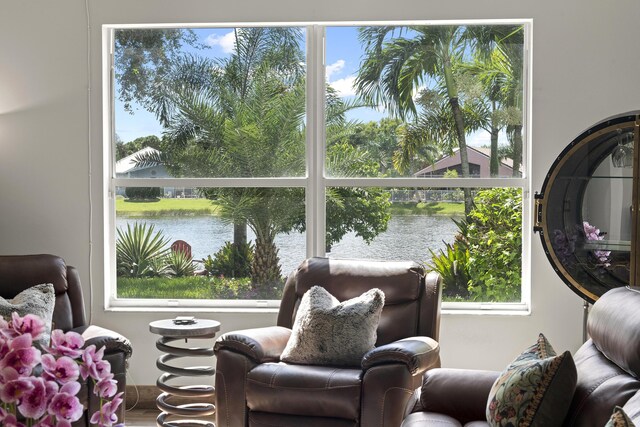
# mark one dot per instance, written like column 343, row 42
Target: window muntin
column 318, row 214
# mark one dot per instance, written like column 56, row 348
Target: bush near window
column 232, row 260
column 487, row 253
column 142, row 193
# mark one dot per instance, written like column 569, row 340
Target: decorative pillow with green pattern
column 535, row 390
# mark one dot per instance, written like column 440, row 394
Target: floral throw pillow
column 619, row 419
column 535, row 390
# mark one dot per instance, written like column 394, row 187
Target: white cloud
column 226, row 42
column 344, row 87
column 336, row 67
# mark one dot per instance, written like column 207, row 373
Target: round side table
column 170, row 331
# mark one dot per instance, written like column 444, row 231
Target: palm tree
column 498, row 67
column 244, row 117
column 395, row 67
column 240, row 117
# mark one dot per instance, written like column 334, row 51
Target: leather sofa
column 254, row 388
column 19, row 272
column 608, row 367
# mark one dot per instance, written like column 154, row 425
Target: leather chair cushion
column 264, row 419
column 399, row 280
column 304, row 390
column 620, row 344
column 601, row 386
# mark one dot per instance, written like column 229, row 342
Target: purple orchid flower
column 29, row 324
column 62, row 370
column 106, row 416
column 106, row 387
column 33, row 403
column 93, row 366
column 65, row 344
column 21, row 356
column 13, row 385
column 65, row 405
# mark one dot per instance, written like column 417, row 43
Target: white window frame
column 314, row 182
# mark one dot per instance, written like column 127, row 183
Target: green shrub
column 230, row 261
column 494, row 240
column 179, row 264
column 452, row 264
column 139, row 250
column 484, row 263
column 142, row 193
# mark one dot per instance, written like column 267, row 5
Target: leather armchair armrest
column 101, row 337
column 417, row 353
column 459, row 393
column 260, row 344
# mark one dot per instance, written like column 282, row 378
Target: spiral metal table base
column 192, row 391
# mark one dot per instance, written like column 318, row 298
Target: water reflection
column 407, row 237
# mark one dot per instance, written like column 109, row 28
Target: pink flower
column 11, row 421
column 106, row 416
column 29, row 324
column 62, row 370
column 65, row 405
column 106, row 387
column 93, row 366
column 33, row 403
column 21, row 356
column 50, row 421
column 14, row 386
column 65, row 344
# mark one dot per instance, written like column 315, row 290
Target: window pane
column 479, row 256
column 190, row 250
column 397, row 106
column 210, row 102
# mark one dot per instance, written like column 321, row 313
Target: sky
column 343, row 55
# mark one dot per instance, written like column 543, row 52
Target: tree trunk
column 452, row 93
column 266, row 264
column 494, row 165
column 464, row 156
column 239, row 233
column 517, row 150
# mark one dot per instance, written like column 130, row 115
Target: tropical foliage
column 137, row 250
column 244, row 116
column 485, row 261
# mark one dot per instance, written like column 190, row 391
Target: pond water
column 407, row 238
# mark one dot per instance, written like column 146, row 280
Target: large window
column 237, row 152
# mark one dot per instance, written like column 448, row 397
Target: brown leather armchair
column 608, row 366
column 254, row 388
column 19, row 272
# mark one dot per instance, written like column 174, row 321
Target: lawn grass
column 165, row 207
column 427, row 208
column 195, row 287
column 168, row 207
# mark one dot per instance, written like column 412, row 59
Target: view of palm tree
column 400, row 101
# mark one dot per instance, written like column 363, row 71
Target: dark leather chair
column 254, row 388
column 608, row 366
column 19, row 272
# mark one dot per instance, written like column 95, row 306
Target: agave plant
column 138, row 250
column 453, row 265
column 179, row 264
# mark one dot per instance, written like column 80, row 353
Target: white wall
column 586, row 68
